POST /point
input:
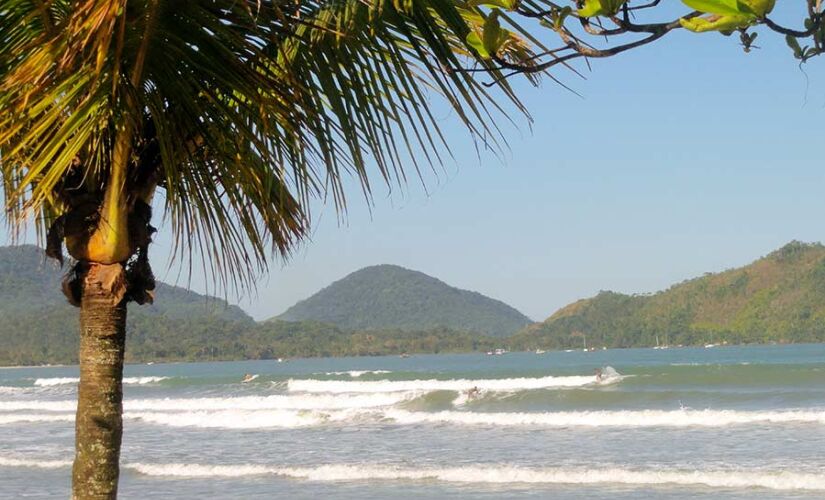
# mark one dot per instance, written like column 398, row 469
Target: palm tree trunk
column 99, row 423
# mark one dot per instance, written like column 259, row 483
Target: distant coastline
column 777, row 299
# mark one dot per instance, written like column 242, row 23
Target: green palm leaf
column 240, row 113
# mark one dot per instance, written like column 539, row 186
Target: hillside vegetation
column 391, row 297
column 778, row 298
column 38, row 326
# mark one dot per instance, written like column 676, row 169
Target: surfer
column 473, row 393
column 248, row 377
column 599, row 375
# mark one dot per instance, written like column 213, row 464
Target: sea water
column 720, row 423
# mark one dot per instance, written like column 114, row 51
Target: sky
column 683, row 157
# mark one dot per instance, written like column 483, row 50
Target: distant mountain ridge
column 29, row 281
column 39, row 326
column 778, row 298
column 392, row 297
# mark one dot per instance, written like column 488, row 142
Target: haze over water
column 721, row 423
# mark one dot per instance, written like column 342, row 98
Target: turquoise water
column 720, row 423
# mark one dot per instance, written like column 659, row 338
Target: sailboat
column 660, row 346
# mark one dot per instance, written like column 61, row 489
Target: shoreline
column 469, row 353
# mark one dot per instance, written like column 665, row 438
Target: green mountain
column 778, row 298
column 390, row 310
column 39, row 326
column 392, row 297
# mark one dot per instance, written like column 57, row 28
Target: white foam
column 40, row 464
column 48, row 382
column 14, row 418
column 358, row 373
column 506, row 384
column 143, row 380
column 273, row 402
column 174, row 415
column 240, row 419
column 502, row 475
column 18, row 405
column 629, row 418
column 232, row 419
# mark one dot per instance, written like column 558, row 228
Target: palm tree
column 238, row 113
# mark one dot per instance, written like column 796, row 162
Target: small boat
column 540, row 351
column 661, row 346
column 403, row 355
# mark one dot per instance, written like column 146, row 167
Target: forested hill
column 31, row 282
column 39, row 326
column 392, row 297
column 778, row 298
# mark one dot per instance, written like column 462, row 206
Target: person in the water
column 473, row 393
column 599, row 375
column 247, row 377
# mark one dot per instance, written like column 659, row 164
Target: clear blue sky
column 682, row 157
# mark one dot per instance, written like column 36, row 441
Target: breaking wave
column 358, row 373
column 628, row 418
column 375, row 386
column 501, row 475
column 220, row 413
column 14, row 418
column 234, row 419
column 40, row 464
column 273, row 402
column 48, row 382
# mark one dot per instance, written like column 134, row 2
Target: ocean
column 679, row 423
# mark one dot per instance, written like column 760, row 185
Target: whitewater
column 737, row 422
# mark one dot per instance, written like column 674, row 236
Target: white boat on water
column 540, row 351
column 661, row 346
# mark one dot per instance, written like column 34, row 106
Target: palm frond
column 241, row 112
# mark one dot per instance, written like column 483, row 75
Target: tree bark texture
column 99, row 422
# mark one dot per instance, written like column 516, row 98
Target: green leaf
column 503, row 4
column 591, row 8
column 494, row 36
column 721, row 7
column 759, row 8
column 562, row 16
column 722, row 24
column 793, row 43
column 474, row 41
